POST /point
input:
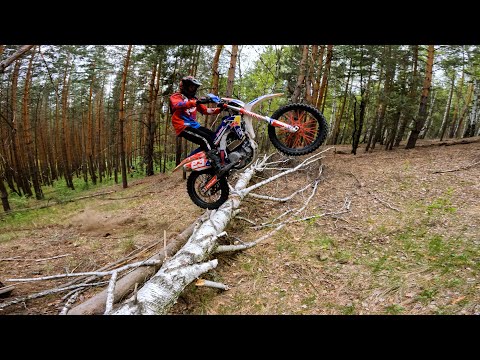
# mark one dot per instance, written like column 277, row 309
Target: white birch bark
column 161, row 292
column 428, row 122
column 470, row 128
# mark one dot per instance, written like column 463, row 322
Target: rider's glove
column 221, row 104
column 204, row 100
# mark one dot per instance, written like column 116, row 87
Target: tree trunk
column 456, row 112
column 21, row 179
column 301, row 74
column 19, row 53
column 428, row 122
column 444, row 126
column 310, row 79
column 328, row 62
column 458, row 127
column 338, row 119
column 121, row 116
column 91, row 131
column 231, row 71
column 412, row 97
column 32, row 161
column 64, row 136
column 317, row 76
column 384, row 98
column 151, row 123
column 422, row 111
column 470, row 128
column 215, row 77
column 357, row 130
column 4, row 196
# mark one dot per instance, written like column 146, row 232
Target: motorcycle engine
column 240, row 149
column 244, row 153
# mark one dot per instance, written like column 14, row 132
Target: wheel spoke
column 310, row 133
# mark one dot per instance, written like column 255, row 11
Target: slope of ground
column 408, row 245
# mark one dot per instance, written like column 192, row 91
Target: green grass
column 442, row 205
column 394, row 309
column 323, row 242
column 380, row 264
column 347, row 310
column 427, row 295
column 27, row 212
column 309, row 300
column 127, row 245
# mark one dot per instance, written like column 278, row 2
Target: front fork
column 273, row 122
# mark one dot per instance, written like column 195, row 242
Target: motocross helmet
column 186, row 88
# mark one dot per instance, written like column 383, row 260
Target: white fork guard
column 249, row 107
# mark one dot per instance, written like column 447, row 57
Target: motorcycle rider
column 183, row 107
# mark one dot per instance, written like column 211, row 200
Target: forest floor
column 410, row 243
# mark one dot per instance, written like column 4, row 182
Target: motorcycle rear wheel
column 214, row 197
column 311, row 134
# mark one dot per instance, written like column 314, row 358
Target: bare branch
column 244, row 246
column 308, row 161
column 245, row 219
column 264, row 197
column 102, row 273
column 384, row 202
column 7, row 62
column 16, row 258
column 345, row 209
column 301, row 275
column 457, row 169
column 212, row 284
column 47, row 292
column 69, row 303
column 110, row 292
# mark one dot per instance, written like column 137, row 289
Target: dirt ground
column 408, row 244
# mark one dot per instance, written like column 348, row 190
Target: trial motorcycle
column 294, row 129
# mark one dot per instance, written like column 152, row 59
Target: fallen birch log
column 96, row 304
column 162, row 290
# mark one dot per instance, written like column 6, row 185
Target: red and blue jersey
column 184, row 112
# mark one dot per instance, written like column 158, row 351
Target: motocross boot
column 214, row 156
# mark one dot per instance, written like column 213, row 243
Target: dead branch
column 47, row 292
column 212, row 284
column 165, row 245
column 264, row 197
column 303, row 276
column 345, row 208
column 128, row 283
column 16, row 258
column 277, row 162
column 277, row 218
column 71, row 300
column 132, row 255
column 245, row 219
column 98, row 274
column 360, row 184
column 457, row 169
column 110, row 292
column 7, row 62
column 162, row 290
column 315, row 185
column 304, row 163
column 384, row 202
column 244, row 246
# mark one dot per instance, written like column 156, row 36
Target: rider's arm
column 177, row 102
column 207, row 111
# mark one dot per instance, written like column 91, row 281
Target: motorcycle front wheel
column 213, row 197
column 312, row 129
